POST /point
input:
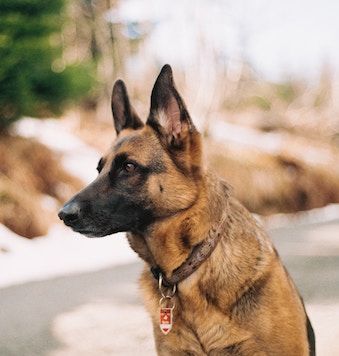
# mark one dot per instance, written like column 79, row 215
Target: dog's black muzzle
column 98, row 210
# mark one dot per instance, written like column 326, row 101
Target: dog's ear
column 124, row 115
column 168, row 114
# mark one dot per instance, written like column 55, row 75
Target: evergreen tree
column 34, row 81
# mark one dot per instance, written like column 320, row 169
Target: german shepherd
column 213, row 282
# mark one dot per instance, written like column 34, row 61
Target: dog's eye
column 129, row 167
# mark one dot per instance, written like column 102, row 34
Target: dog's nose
column 70, row 213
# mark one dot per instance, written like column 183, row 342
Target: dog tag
column 166, row 319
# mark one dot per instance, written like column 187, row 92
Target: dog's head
column 151, row 172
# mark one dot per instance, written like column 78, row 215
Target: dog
column 213, row 282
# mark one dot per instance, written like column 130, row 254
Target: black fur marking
column 249, row 300
column 123, row 113
column 310, row 336
column 119, row 162
column 100, row 165
column 233, row 350
column 310, row 333
column 185, row 241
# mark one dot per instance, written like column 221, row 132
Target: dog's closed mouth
column 91, row 233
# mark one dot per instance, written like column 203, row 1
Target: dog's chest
column 198, row 326
column 212, row 327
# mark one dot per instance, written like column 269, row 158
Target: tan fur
column 240, row 301
column 211, row 310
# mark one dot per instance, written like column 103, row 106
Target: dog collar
column 198, row 256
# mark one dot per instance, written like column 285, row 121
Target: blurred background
column 260, row 79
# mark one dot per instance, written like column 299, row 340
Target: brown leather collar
column 198, row 256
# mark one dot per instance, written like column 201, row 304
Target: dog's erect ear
column 124, row 115
column 168, row 114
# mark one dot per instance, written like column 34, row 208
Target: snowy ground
column 61, row 252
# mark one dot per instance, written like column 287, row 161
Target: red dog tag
column 166, row 319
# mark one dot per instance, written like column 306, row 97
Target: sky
column 279, row 38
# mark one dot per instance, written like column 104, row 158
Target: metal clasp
column 166, row 296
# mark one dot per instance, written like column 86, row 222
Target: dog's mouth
column 88, row 233
column 91, row 233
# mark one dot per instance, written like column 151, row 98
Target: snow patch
column 77, row 158
column 59, row 253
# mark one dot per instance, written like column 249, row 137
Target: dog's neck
column 178, row 245
column 199, row 255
